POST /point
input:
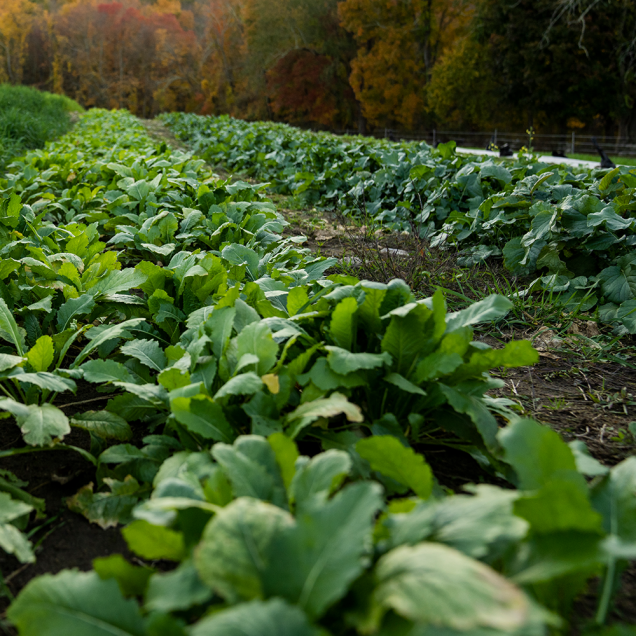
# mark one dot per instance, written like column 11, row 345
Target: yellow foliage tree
column 16, row 20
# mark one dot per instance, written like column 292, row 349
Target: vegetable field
column 272, row 437
column 566, row 230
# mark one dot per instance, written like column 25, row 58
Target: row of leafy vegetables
column 562, row 228
column 282, row 484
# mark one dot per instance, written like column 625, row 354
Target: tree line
column 360, row 64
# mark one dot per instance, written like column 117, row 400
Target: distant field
column 626, row 161
column 29, row 118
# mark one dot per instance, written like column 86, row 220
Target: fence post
column 434, row 136
column 573, row 141
column 495, row 142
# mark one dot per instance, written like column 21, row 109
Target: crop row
column 284, row 419
column 565, row 229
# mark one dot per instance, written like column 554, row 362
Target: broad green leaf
column 9, row 328
column 241, row 255
column 433, row 584
column 177, row 590
column 116, row 331
column 11, row 509
column 406, row 337
column 251, row 466
column 12, row 541
column 606, row 181
column 42, row 424
column 132, row 579
column 618, row 283
column 319, row 476
column 103, row 424
column 107, row 509
column 498, row 172
column 482, row 525
column 8, row 361
column 234, row 550
column 257, row 618
column 487, row 310
column 313, row 561
column 154, row 542
column 402, row 383
column 118, row 280
column 256, row 338
column 72, row 308
column 536, row 453
column 242, row 384
column 309, row 412
column 345, row 362
column 77, row 603
column 388, row 456
column 41, row 354
column 46, row 380
column 286, row 453
column 203, row 416
column 105, row 371
column 476, row 409
column 343, row 323
column 559, row 506
column 148, row 352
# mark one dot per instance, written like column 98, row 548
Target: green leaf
column 319, row 476
column 309, row 412
column 257, row 618
column 251, row 466
column 148, row 352
column 8, row 361
column 12, row 541
column 105, row 371
column 77, row 603
column 46, row 380
column 402, row 383
column 132, row 579
column 72, row 308
column 103, row 424
column 42, row 424
column 107, row 509
column 242, row 384
column 256, row 338
column 41, row 354
column 487, row 310
column 233, row 551
column 406, row 337
column 240, row 255
column 498, row 172
column 9, row 327
column 154, row 542
column 116, row 331
column 536, row 452
column 313, row 562
column 286, row 453
column 388, row 456
column 118, row 280
column 482, row 526
column 345, row 362
column 433, row 584
column 615, row 498
column 342, row 325
column 203, row 416
column 618, row 283
column 606, row 181
column 177, row 590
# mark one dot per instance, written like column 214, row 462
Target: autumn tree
column 399, row 42
column 16, row 20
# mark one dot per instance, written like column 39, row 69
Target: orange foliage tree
column 16, row 21
column 399, row 43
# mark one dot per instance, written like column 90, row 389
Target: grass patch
column 29, row 118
